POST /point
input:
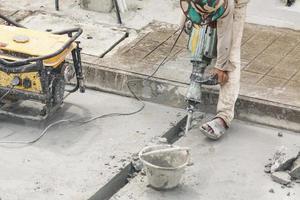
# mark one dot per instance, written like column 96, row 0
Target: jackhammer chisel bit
column 201, row 60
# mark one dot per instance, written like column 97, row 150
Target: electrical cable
column 81, row 121
column 7, row 93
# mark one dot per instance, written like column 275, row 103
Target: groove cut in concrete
column 120, row 180
column 114, row 185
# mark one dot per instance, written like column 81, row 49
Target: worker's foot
column 3, row 44
column 214, row 129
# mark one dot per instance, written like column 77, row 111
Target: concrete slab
column 232, row 168
column 95, row 40
column 96, row 5
column 75, row 161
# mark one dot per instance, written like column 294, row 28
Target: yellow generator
column 33, row 67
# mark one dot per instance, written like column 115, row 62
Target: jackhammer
column 203, row 51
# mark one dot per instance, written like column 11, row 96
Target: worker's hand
column 222, row 76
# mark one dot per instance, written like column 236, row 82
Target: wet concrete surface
column 231, row 169
column 73, row 161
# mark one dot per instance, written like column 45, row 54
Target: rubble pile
column 284, row 167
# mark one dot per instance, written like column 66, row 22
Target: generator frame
column 36, row 64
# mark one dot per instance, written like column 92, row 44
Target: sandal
column 214, row 129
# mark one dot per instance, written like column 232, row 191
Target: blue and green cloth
column 203, row 11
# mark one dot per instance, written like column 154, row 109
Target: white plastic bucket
column 165, row 165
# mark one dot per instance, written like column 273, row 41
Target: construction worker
column 228, row 65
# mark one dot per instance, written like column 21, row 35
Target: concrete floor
column 231, row 169
column 73, row 161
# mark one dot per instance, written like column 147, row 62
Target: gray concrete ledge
column 172, row 94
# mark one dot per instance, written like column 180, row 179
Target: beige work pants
column 230, row 32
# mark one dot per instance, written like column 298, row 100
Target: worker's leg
column 229, row 92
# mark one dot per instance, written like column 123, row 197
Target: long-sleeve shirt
column 225, row 28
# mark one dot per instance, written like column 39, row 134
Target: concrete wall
column 97, row 5
column 274, row 13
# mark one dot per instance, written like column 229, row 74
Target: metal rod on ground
column 188, row 122
column 117, row 11
column 114, row 45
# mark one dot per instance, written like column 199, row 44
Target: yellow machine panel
column 33, row 68
column 36, row 86
column 38, row 43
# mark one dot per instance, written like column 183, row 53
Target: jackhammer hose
column 7, row 93
column 57, row 5
column 117, row 11
column 9, row 21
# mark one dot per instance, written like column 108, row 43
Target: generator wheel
column 58, row 89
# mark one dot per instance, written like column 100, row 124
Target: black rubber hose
column 126, row 35
column 117, row 11
column 57, row 5
column 9, row 21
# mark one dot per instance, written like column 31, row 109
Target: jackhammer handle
column 212, row 80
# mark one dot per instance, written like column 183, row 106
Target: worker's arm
column 229, row 36
column 224, row 29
